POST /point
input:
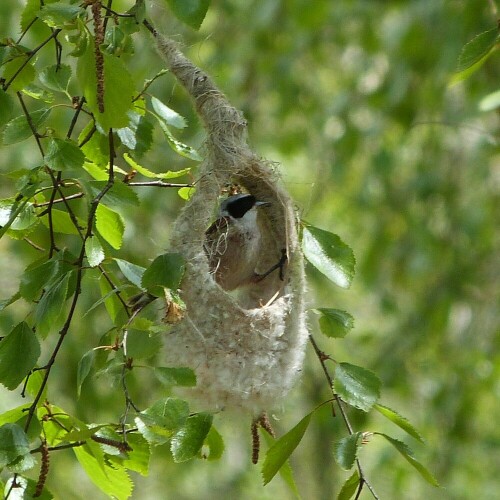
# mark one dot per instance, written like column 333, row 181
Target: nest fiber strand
column 246, row 349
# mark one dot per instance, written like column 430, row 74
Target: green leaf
column 25, row 219
column 191, row 12
column 180, row 148
column 114, row 481
column 286, row 472
column 188, row 440
column 213, row 446
column 137, row 459
column 131, row 271
column 113, row 305
column 118, row 196
column 64, row 154
column 55, row 431
column 18, row 129
column 79, row 38
column 57, row 15
column 96, row 148
column 38, row 93
column 94, row 251
column 350, row 487
column 138, row 136
column 474, row 54
column 37, row 275
column 490, row 102
column 118, row 89
column 186, row 192
column 282, row 448
column 131, row 24
column 96, row 172
column 165, row 271
column 144, row 325
column 14, row 415
column 115, row 41
column 399, row 420
column 14, row 446
column 170, row 174
column 356, row 385
column 16, row 215
column 7, row 302
column 169, row 116
column 84, row 366
column 49, row 311
column 335, row 323
column 408, row 455
column 29, row 13
column 25, row 489
column 110, row 225
column 81, row 432
column 56, row 77
column 25, row 76
column 158, row 423
column 176, row 376
column 6, row 107
column 329, row 254
column 140, row 345
column 34, row 385
column 346, row 450
column 62, row 222
column 19, row 352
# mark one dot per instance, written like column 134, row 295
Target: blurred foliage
column 352, row 98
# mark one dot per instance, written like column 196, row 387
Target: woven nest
column 245, row 347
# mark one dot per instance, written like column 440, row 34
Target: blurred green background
column 352, row 98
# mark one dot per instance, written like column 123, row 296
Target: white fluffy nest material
column 247, row 350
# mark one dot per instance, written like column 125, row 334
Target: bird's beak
column 262, row 203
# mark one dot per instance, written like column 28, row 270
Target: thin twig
column 320, row 356
column 55, row 182
column 148, row 84
column 116, row 14
column 60, row 447
column 31, row 125
column 30, row 56
column 33, row 244
column 88, row 136
column 362, row 478
column 81, row 101
column 31, row 23
column 159, row 184
column 59, row 200
column 108, row 10
column 115, row 289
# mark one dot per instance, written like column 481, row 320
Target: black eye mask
column 240, row 205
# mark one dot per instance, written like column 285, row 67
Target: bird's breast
column 233, row 251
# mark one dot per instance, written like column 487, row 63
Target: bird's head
column 238, row 205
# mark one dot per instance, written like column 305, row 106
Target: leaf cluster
column 71, row 208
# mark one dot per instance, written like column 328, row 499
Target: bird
column 233, row 242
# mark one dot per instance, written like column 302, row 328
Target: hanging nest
column 246, row 347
